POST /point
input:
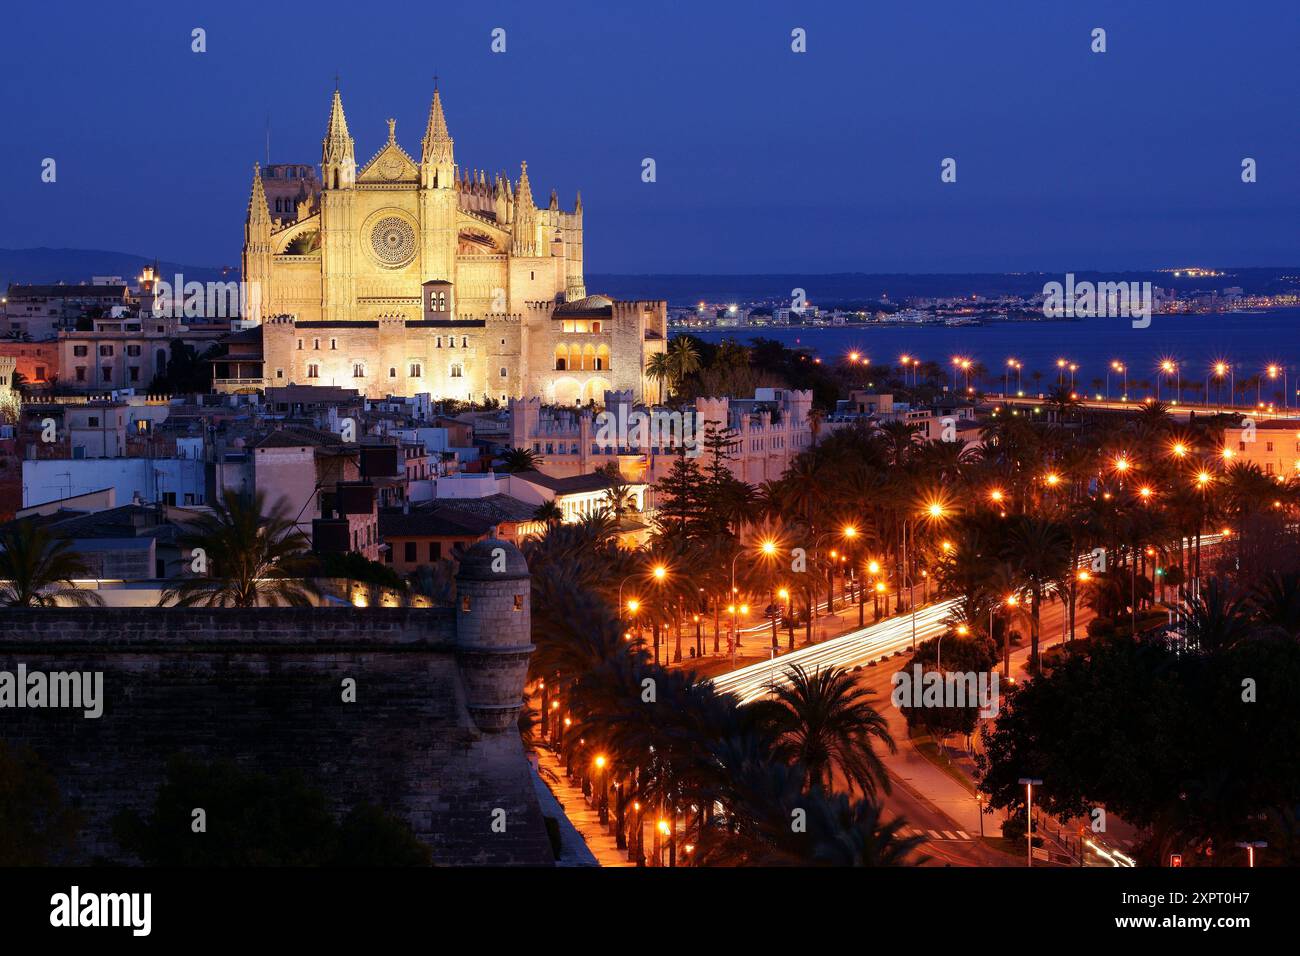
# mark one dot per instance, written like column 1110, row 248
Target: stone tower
column 493, row 631
column 337, row 230
column 256, row 263
column 439, row 201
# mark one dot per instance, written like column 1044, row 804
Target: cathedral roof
column 591, row 305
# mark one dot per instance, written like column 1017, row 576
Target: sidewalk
column 600, row 843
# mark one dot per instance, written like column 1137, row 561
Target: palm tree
column 520, row 459
column 249, row 556
column 1040, row 550
column 1215, row 619
column 38, row 569
column 1276, row 600
column 684, row 359
column 549, row 512
column 824, row 722
column 660, row 369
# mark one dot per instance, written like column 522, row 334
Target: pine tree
column 678, row 497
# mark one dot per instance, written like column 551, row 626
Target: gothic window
column 457, row 371
column 416, row 370
column 300, row 345
column 464, row 342
column 315, row 344
column 334, row 344
column 504, row 373
column 392, row 371
column 313, row 370
column 358, row 370
column 440, row 341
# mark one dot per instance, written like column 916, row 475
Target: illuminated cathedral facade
column 406, row 276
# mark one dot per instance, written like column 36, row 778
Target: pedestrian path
column 583, row 817
column 936, row 834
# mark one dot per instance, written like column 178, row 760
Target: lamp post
column 602, row 802
column 1170, row 367
column 1029, row 784
column 1250, row 848
column 1011, row 601
column 1272, row 372
column 848, row 532
column 768, row 548
column 785, row 595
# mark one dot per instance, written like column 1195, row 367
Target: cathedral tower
column 256, row 264
column 439, row 202
column 337, row 233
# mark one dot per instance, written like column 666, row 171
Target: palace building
column 407, row 276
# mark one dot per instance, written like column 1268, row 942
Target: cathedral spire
column 524, row 224
column 524, row 194
column 437, row 159
column 338, row 156
column 258, row 211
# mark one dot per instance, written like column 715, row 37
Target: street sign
column 1041, row 854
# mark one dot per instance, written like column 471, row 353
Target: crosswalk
column 936, row 834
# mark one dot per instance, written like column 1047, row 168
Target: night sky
column 767, row 160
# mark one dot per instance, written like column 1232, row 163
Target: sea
column 1246, row 342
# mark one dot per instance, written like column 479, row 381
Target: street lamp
column 1011, row 601
column 1170, row 367
column 1029, row 784
column 602, row 804
column 1250, row 848
column 1272, row 371
column 1118, row 366
column 767, row 547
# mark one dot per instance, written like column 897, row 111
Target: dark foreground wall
column 264, row 687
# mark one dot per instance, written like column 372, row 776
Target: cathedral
column 405, row 276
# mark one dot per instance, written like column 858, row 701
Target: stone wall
column 263, row 687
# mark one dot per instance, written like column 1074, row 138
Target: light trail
column 855, row 648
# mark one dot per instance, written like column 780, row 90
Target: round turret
column 493, row 631
column 492, row 559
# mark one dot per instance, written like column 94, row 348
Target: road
column 933, row 804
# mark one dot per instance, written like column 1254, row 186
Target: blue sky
column 767, row 160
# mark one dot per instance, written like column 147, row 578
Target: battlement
column 426, row 732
